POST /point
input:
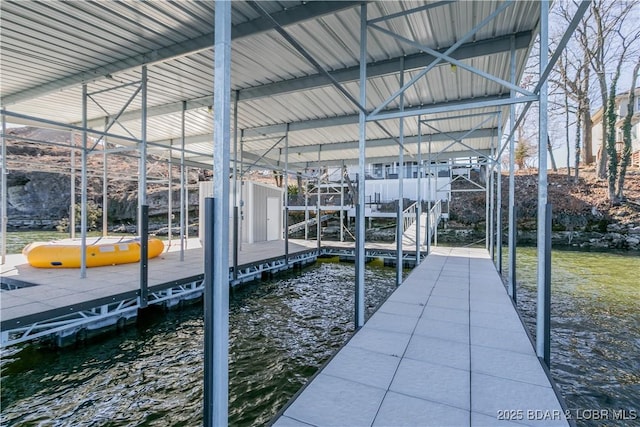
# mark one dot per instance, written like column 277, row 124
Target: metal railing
column 434, row 217
column 409, row 216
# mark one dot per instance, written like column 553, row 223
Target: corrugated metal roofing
column 49, row 48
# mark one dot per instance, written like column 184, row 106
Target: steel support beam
column 318, row 204
column 143, row 209
column 542, row 342
column 305, row 54
column 513, row 226
column 105, row 183
column 419, row 195
column 456, row 45
column 183, row 182
column 72, row 207
column 236, row 213
column 448, row 59
column 499, row 205
column 351, row 119
column 400, row 219
column 492, row 198
column 216, row 396
column 544, row 74
column 170, row 197
column 342, row 172
column 83, row 188
column 430, row 199
column 3, row 193
column 487, row 217
column 286, row 197
column 467, row 51
column 360, row 212
column 453, row 106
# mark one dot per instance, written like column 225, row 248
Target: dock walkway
column 446, row 349
column 51, row 299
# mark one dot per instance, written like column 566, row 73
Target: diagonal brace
column 454, row 61
column 293, row 42
column 117, row 116
column 448, row 52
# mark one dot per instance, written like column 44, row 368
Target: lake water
column 595, row 328
column 283, row 330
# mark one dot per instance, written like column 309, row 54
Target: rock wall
column 39, row 200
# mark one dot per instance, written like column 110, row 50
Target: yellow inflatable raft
column 102, row 251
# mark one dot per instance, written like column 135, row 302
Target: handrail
column 434, row 217
column 409, row 216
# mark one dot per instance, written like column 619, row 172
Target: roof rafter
column 289, row 16
column 350, row 119
column 374, row 69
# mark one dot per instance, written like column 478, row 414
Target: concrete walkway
column 446, row 349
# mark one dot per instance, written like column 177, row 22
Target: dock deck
column 35, row 295
column 446, row 349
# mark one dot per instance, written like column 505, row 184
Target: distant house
column 622, row 101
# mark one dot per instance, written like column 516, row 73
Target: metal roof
column 50, row 48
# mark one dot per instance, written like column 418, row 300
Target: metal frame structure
column 383, row 119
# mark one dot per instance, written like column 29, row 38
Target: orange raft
column 100, row 252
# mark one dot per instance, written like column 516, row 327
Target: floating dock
column 57, row 303
column 446, row 349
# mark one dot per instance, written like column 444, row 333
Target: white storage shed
column 261, row 211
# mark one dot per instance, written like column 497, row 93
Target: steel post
column 512, row 185
column 318, row 203
column 72, row 204
column 183, row 182
column 543, row 260
column 209, row 311
column 236, row 217
column 486, row 204
column 547, row 288
column 286, row 197
column 419, row 195
column 492, row 191
column 429, row 184
column 170, row 195
column 143, row 215
column 4, row 218
column 216, row 403
column 360, row 207
column 105, row 182
column 306, row 210
column 499, row 202
column 83, row 188
column 400, row 219
column 342, row 172
column 144, row 258
column 186, row 209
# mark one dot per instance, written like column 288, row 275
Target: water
column 281, row 332
column 595, row 328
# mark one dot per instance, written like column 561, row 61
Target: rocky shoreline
column 627, row 239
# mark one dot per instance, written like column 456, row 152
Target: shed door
column 273, row 218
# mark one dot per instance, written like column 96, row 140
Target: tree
column 524, row 149
column 572, row 76
column 626, row 133
column 609, row 35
